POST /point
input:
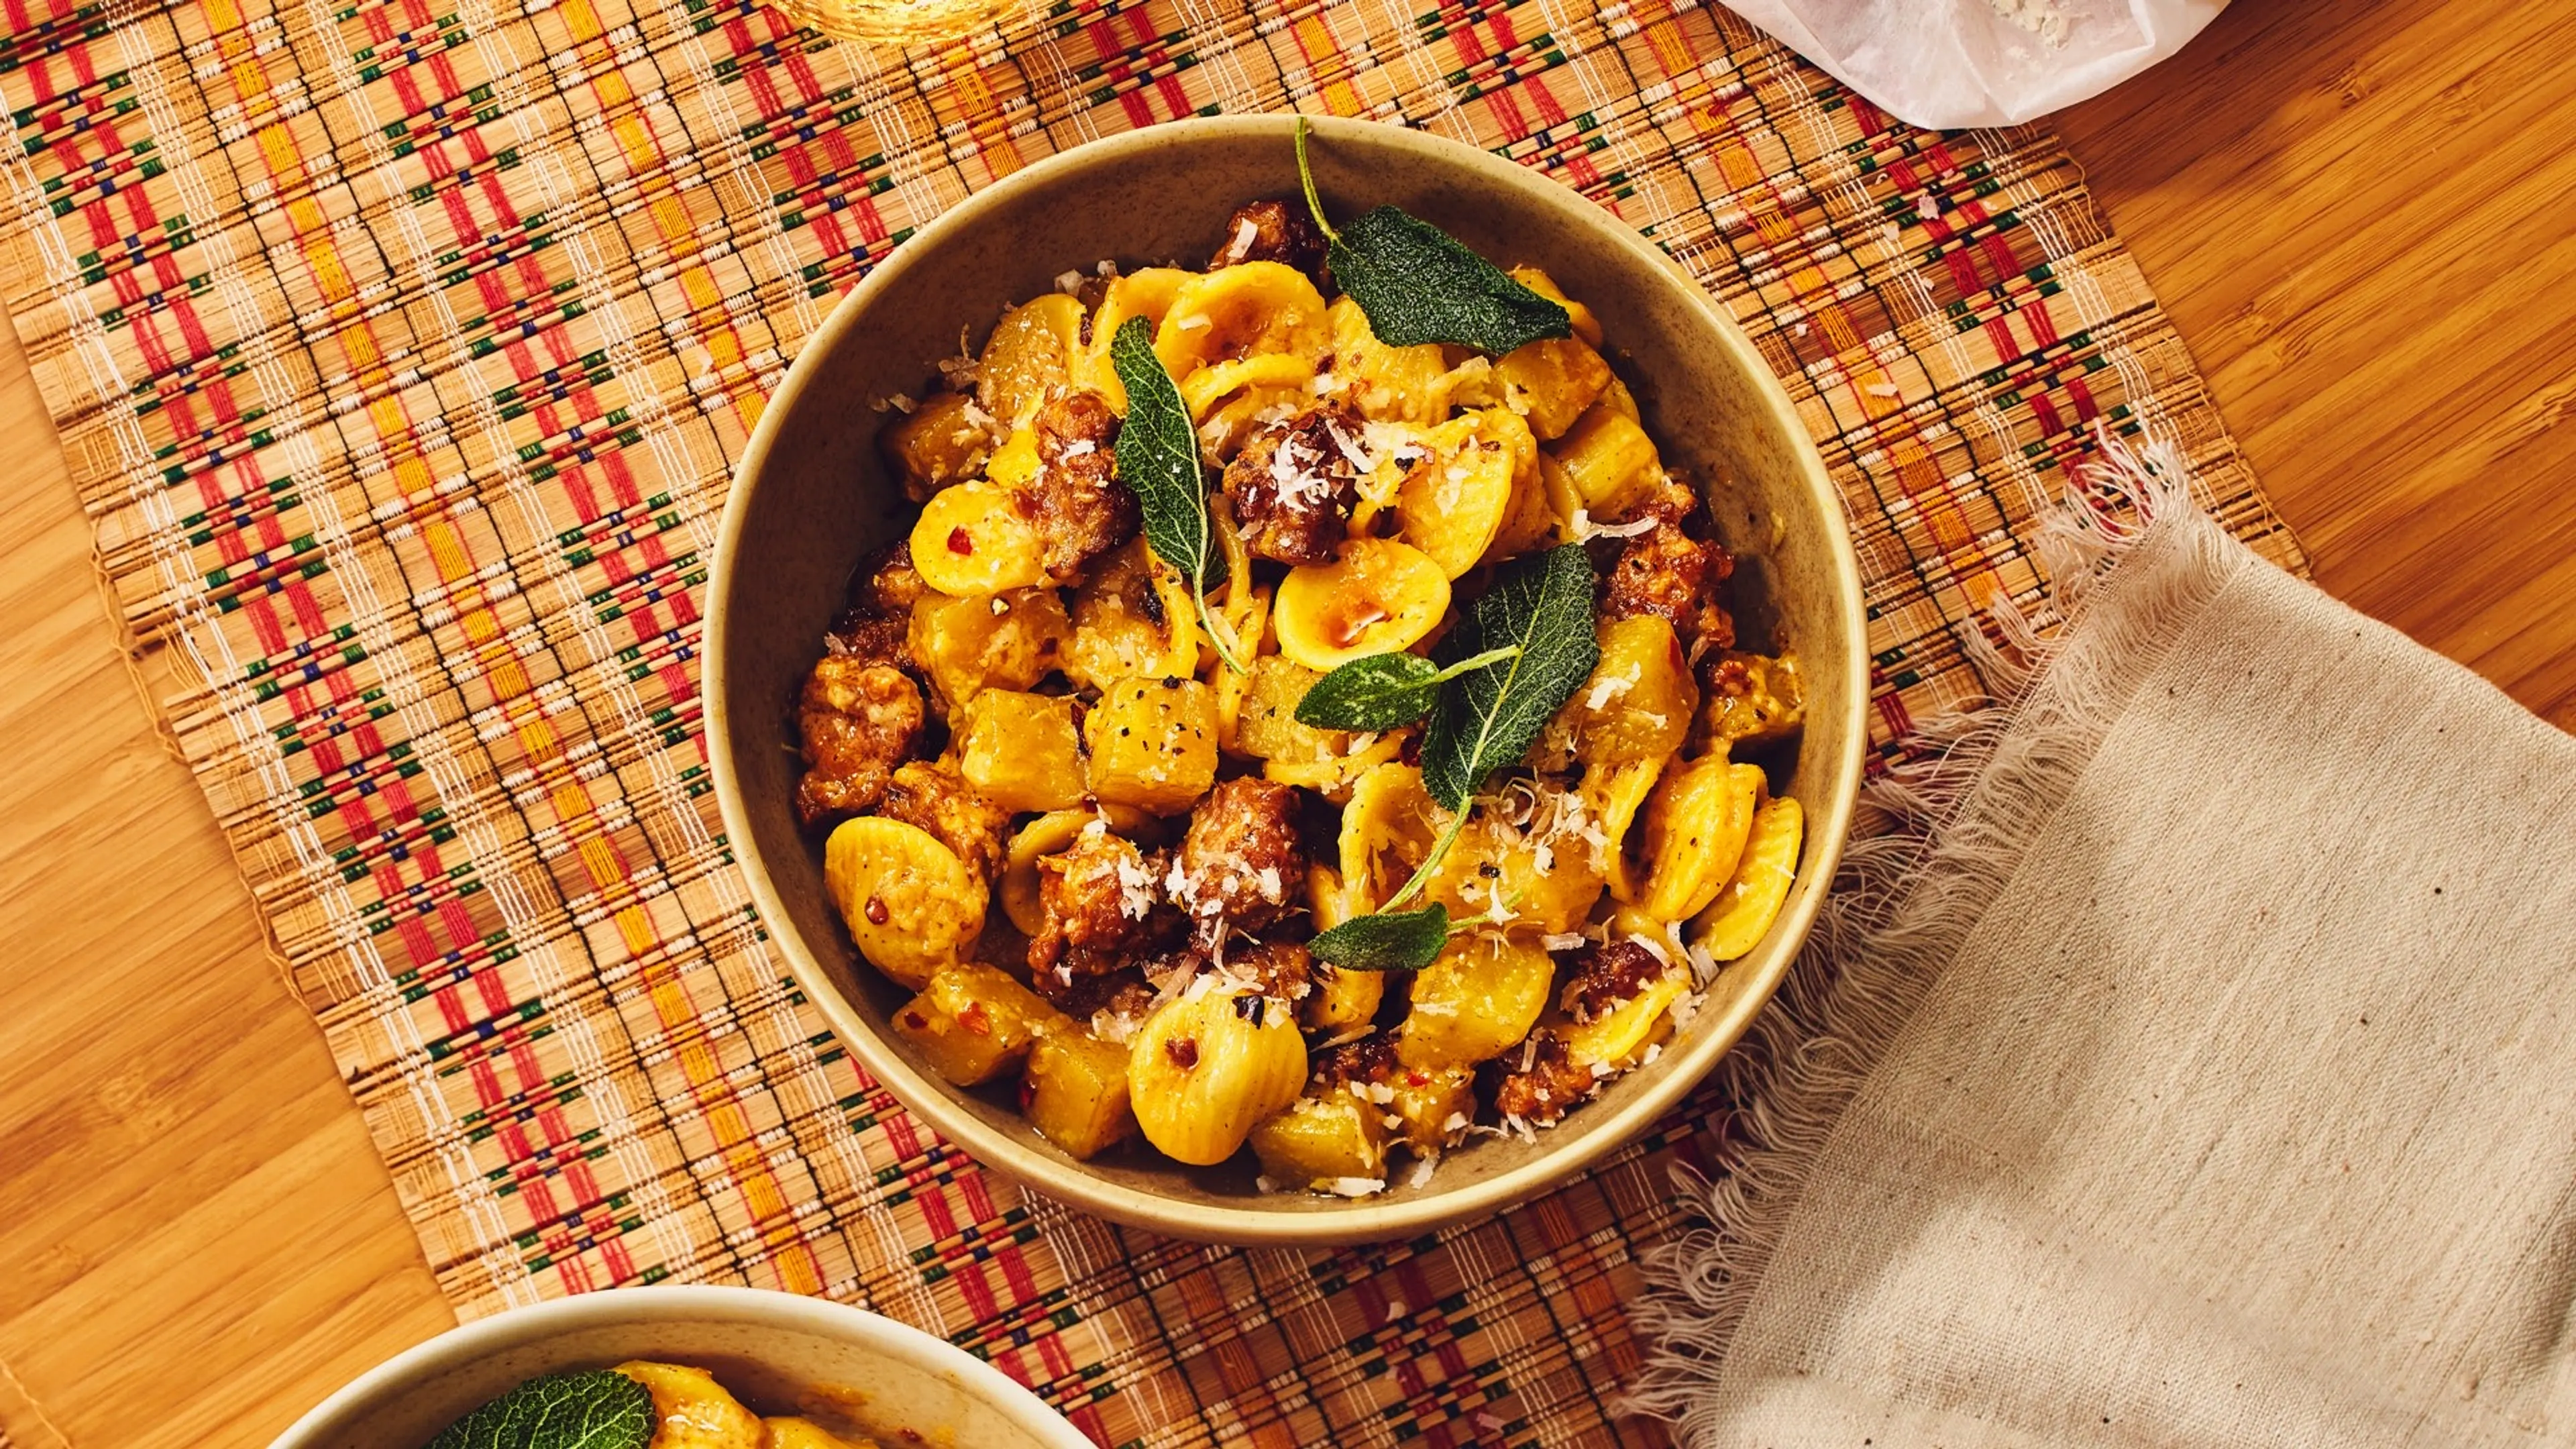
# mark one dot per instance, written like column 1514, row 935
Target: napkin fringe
column 2129, row 556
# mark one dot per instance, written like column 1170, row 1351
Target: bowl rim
column 760, row 1307
column 1361, row 1220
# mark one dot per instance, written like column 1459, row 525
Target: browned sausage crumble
column 1273, row 231
column 1292, row 486
column 1080, row 508
column 858, row 720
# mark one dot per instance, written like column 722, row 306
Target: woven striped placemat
column 400, row 349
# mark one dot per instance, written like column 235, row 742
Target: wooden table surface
column 2354, row 211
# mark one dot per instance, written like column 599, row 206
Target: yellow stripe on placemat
column 401, row 352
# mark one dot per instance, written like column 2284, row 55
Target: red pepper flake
column 1183, row 1051
column 1416, row 1079
column 976, row 1020
column 876, row 911
column 959, row 542
column 1028, row 1092
column 915, row 1020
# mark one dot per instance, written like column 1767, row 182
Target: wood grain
column 2355, row 212
column 2358, row 217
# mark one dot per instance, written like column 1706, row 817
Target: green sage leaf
column 1416, row 283
column 1383, row 691
column 1486, row 718
column 600, row 1409
column 1158, row 459
column 1387, row 941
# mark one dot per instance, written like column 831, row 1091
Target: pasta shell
column 1387, row 831
column 1385, row 384
column 1617, row 1037
column 1203, row 389
column 1455, row 507
column 1147, row 294
column 1476, row 1000
column 1741, row 915
column 1616, row 794
column 1696, row 824
column 794, row 1433
column 1243, row 311
column 973, row 542
column 911, row 905
column 1378, row 597
column 1207, row 1066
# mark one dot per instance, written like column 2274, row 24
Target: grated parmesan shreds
column 1194, row 322
column 1563, row 941
column 1422, row 1170
column 1068, row 282
column 1584, row 529
column 1265, row 1184
column 1245, row 234
column 1356, row 1186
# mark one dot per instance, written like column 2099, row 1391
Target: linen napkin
column 2195, row 1065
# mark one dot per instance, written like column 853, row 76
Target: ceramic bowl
column 810, row 498
column 777, row 1352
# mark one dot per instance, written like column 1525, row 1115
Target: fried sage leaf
column 1540, row 604
column 1386, row 941
column 1384, row 691
column 600, row 1409
column 1417, row 283
column 1158, row 460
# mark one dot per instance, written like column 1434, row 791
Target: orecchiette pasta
column 1023, row 698
column 1205, row 1067
column 1243, row 311
column 911, row 905
column 1743, row 911
column 1455, row 506
column 1380, row 596
column 1696, row 824
column 973, row 542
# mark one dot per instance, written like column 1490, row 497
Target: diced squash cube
column 1153, row 744
column 1323, row 1141
column 1131, row 620
column 1076, row 1093
column 1022, row 751
column 1266, row 727
column 973, row 1021
column 1609, row 461
column 1434, row 1104
column 1551, row 382
column 945, row 439
column 969, row 645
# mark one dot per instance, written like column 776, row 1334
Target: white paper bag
column 1954, row 63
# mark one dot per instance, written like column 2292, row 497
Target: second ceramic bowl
column 777, row 1352
column 811, row 497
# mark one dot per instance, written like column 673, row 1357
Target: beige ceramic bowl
column 811, row 497
column 777, row 1352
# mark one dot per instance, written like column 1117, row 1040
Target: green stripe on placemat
column 401, row 351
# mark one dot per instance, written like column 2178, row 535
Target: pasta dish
column 1075, row 798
